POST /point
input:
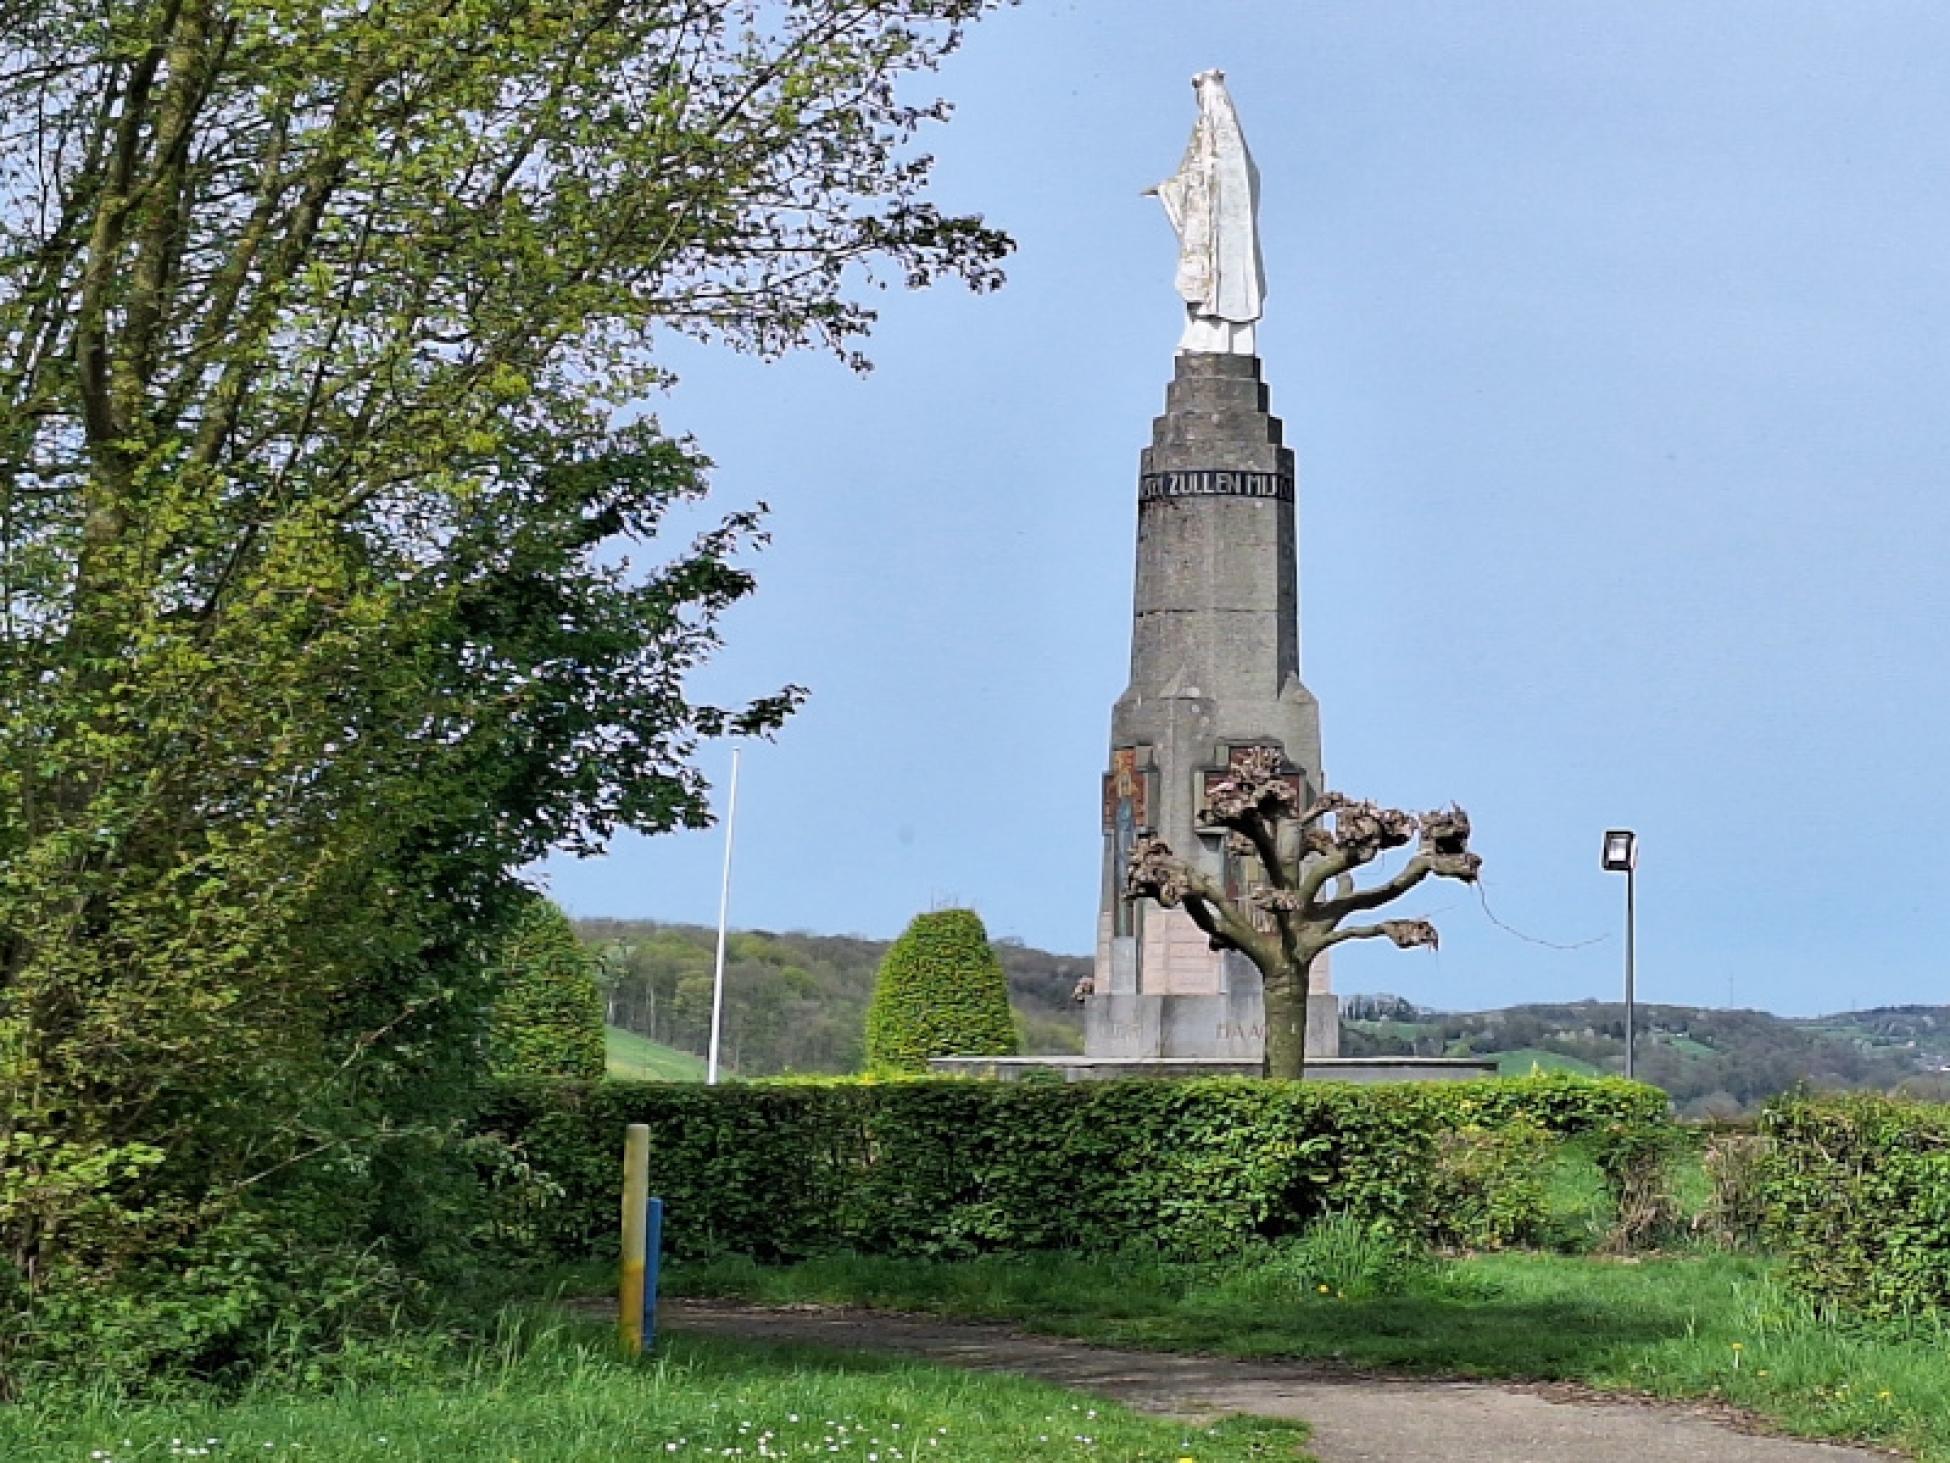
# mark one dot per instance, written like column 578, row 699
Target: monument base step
column 1319, row 1069
column 1229, row 1027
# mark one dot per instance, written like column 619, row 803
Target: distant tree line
column 794, row 1002
column 1712, row 1062
column 797, row 1002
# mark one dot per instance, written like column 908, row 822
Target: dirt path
column 1355, row 1419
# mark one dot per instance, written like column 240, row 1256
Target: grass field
column 558, row 1393
column 638, row 1058
column 1706, row 1326
column 1521, row 1062
column 1407, row 1030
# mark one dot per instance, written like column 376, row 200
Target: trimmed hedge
column 1855, row 1192
column 940, row 992
column 955, row 1168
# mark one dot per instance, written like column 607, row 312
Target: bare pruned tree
column 1307, row 858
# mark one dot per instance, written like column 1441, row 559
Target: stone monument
column 1215, row 637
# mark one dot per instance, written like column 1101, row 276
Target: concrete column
column 1215, row 663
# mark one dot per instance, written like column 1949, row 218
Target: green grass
column 559, row 1394
column 1698, row 1326
column 1407, row 1030
column 1521, row 1062
column 638, row 1058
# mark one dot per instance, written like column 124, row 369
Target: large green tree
column 322, row 330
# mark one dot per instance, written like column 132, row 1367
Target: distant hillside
column 1923, row 1032
column 1713, row 1062
column 793, row 1002
column 796, row 1002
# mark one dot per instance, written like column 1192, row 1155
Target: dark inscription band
column 1210, row 482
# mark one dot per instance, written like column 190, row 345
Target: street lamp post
column 1622, row 857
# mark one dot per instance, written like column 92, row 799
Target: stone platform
column 1319, row 1069
column 1229, row 1025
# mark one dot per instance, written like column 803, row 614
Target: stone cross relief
column 1213, row 204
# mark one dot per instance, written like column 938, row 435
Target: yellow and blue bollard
column 643, row 1225
column 653, row 1224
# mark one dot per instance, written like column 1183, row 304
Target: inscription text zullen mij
column 1210, row 482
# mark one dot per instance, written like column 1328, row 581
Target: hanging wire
column 1482, row 895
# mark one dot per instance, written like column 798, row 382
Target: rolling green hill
column 1525, row 1060
column 640, row 1058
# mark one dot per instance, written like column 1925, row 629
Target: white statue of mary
column 1213, row 203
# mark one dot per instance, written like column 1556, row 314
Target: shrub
column 1337, row 1256
column 1735, row 1213
column 940, row 992
column 548, row 1014
column 1559, row 1102
column 1856, row 1194
column 1639, row 1163
column 1488, row 1186
column 1608, row 1120
column 956, row 1168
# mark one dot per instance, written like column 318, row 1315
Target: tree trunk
column 1286, row 1022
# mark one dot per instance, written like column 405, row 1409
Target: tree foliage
column 939, row 993
column 547, row 1019
column 318, row 326
column 1302, row 854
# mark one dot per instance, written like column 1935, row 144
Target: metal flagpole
column 724, row 912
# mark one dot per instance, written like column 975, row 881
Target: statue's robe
column 1213, row 203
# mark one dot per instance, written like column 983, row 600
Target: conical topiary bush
column 940, row 992
column 547, row 1019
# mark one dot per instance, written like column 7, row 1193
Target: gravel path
column 1355, row 1418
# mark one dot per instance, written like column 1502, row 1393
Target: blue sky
column 1612, row 342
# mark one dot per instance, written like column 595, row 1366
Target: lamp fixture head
column 1621, row 850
